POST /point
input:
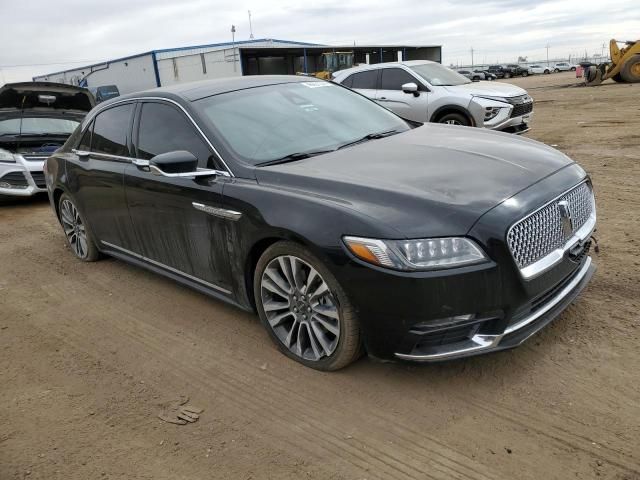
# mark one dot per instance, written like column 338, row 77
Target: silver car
column 472, row 75
column 425, row 91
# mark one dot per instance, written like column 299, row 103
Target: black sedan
column 346, row 228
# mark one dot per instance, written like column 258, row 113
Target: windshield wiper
column 292, row 157
column 370, row 136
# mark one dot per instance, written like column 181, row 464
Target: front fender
column 274, row 212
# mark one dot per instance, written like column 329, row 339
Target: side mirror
column 179, row 161
column 410, row 88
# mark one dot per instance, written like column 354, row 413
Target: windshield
column 268, row 123
column 439, row 75
column 39, row 126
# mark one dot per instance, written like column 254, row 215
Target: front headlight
column 6, row 156
column 421, row 254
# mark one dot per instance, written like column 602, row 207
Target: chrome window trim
column 485, row 342
column 554, row 257
column 99, row 110
column 138, row 162
column 104, row 156
column 166, row 267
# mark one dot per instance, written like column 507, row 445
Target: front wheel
column 507, row 75
column 304, row 308
column 455, row 119
column 630, row 72
column 556, row 70
column 77, row 233
column 525, row 74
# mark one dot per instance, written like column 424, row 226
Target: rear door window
column 365, row 80
column 111, row 131
column 163, row 128
column 394, row 78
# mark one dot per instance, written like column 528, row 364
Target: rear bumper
column 518, row 331
column 22, row 178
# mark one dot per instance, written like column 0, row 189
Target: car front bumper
column 24, row 178
column 519, row 329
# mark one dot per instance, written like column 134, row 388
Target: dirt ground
column 90, row 352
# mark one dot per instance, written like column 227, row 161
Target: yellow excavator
column 624, row 66
column 332, row 62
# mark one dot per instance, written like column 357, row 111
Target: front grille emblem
column 565, row 215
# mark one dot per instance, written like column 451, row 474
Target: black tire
column 88, row 252
column 455, row 118
column 617, row 78
column 476, row 79
column 573, row 69
column 507, row 75
column 556, row 70
column 525, row 74
column 349, row 342
column 547, row 72
column 630, row 72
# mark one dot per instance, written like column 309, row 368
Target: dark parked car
column 105, row 92
column 516, row 71
column 508, row 71
column 345, row 227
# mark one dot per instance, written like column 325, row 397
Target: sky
column 43, row 36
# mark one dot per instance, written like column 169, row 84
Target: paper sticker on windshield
column 316, row 84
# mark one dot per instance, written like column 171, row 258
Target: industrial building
column 252, row 57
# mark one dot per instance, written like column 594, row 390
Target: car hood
column 493, row 89
column 45, row 96
column 434, row 180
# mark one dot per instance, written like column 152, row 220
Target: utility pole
column 471, row 57
column 602, row 54
column 548, row 46
column 250, row 27
column 233, row 43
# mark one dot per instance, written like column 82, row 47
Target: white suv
column 425, row 91
column 563, row 67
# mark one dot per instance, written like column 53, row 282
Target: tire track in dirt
column 409, row 467
column 542, row 427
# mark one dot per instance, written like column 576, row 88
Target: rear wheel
column 556, row 70
column 573, row 69
column 76, row 231
column 525, row 73
column 455, row 119
column 304, row 308
column 547, row 72
column 507, row 75
column 630, row 72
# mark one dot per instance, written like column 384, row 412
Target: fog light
column 491, row 112
column 443, row 323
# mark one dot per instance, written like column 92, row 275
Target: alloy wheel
column 74, row 229
column 300, row 307
column 452, row 122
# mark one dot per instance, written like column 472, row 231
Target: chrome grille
column 538, row 234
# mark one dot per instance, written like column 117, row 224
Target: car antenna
column 24, row 97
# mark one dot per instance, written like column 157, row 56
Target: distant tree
column 522, row 59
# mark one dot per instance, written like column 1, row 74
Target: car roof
column 192, row 91
column 375, row 66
